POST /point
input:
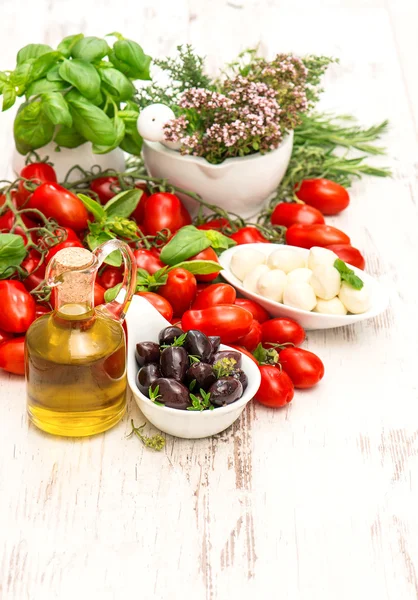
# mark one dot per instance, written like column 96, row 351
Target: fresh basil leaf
column 4, row 78
column 68, row 137
column 132, row 143
column 53, row 74
column 119, row 126
column 348, row 274
column 12, row 250
column 97, row 100
column 56, row 109
column 68, row 43
column 187, row 242
column 20, row 75
column 42, row 64
column 93, row 207
column 32, row 51
column 9, row 96
column 81, row 75
column 117, row 84
column 218, row 240
column 112, row 293
column 42, row 86
column 32, row 128
column 199, row 267
column 131, row 59
column 90, row 49
column 115, row 258
column 90, row 121
column 123, row 204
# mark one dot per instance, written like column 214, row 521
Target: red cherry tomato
column 258, row 312
column 216, row 224
column 228, row 321
column 55, row 202
column 39, row 173
column 12, row 356
column 31, row 262
column 110, row 277
column 185, row 218
column 208, row 254
column 252, row 338
column 99, row 293
column 248, row 235
column 289, row 213
column 306, row 236
column 282, row 331
column 61, row 246
column 325, row 195
column 180, row 290
column 162, row 211
column 214, row 295
column 139, row 212
column 161, row 304
column 276, row 388
column 17, row 307
column 41, row 310
column 15, row 197
column 146, row 259
column 304, row 368
column 244, row 351
column 4, row 336
column 105, row 187
column 7, row 221
column 348, row 254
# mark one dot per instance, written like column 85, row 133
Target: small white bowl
column 308, row 320
column 144, row 324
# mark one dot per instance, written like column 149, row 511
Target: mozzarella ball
column 321, row 256
column 302, row 275
column 286, row 260
column 326, row 281
column 271, row 284
column 245, row 260
column 151, row 121
column 355, row 301
column 330, row 307
column 299, row 295
column 251, row 279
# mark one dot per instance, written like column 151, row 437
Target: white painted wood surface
column 315, row 502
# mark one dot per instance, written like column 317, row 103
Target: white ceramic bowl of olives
column 198, row 387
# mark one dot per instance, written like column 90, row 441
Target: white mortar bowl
column 144, row 324
column 240, row 185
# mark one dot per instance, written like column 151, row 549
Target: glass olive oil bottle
column 76, row 356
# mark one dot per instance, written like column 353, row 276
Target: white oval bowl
column 240, row 185
column 307, row 319
column 144, row 324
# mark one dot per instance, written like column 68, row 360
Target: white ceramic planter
column 239, row 185
column 68, row 157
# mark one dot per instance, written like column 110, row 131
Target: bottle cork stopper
column 76, row 286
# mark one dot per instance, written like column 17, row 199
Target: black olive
column 172, row 393
column 147, row 352
column 146, row 376
column 215, row 340
column 203, row 374
column 169, row 334
column 225, row 391
column 229, row 354
column 241, row 376
column 198, row 344
column 174, row 362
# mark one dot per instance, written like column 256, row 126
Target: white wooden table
column 314, row 502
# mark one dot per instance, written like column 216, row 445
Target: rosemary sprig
column 156, row 442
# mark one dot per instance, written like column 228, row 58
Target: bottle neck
column 73, row 298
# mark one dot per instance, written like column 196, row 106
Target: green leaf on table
column 68, row 137
column 218, row 240
column 117, row 83
column 348, row 274
column 32, row 51
column 119, row 127
column 111, row 293
column 9, row 96
column 93, row 207
column 42, row 65
column 129, row 58
column 123, row 204
column 67, row 44
column 199, row 267
column 12, row 251
column 82, row 75
column 56, row 109
column 187, row 242
column 90, row 121
column 32, row 129
column 44, row 86
column 90, row 49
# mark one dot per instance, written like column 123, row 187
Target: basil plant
column 82, row 91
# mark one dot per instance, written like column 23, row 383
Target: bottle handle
column 118, row 307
